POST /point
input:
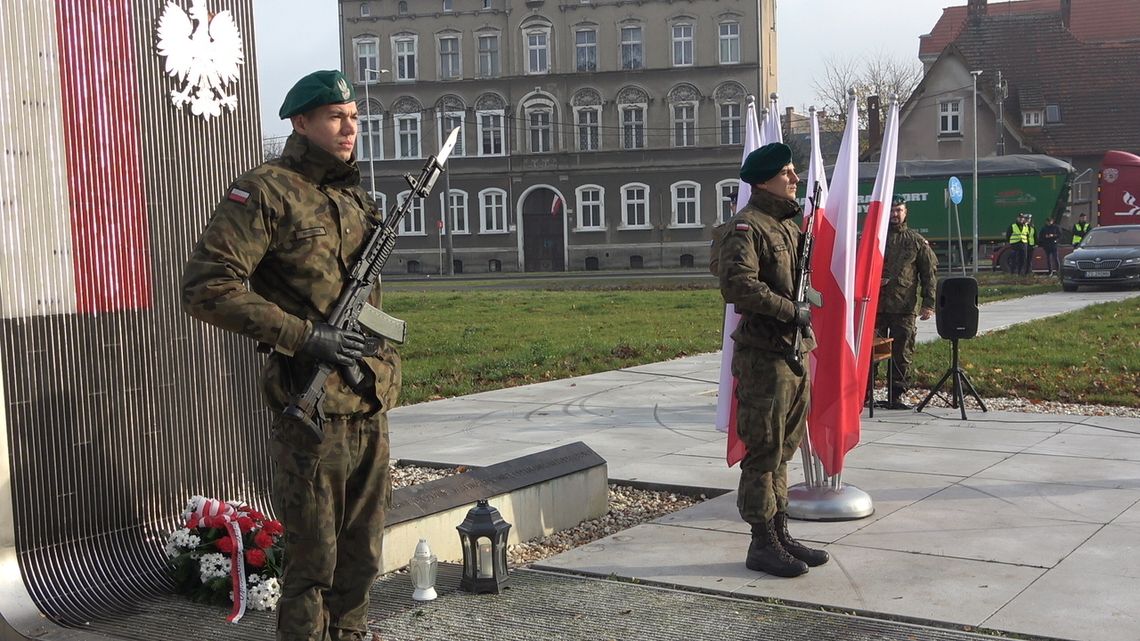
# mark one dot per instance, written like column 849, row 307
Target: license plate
column 1098, row 274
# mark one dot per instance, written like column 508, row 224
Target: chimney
column 975, row 9
column 874, row 127
column 789, row 124
column 1066, row 12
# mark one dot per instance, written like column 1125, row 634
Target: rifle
column 804, row 291
column 352, row 311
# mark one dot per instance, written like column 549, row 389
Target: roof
column 1014, row 164
column 1095, row 85
column 1091, row 21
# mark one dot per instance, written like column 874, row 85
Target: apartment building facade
column 596, row 134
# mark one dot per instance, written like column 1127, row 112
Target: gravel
column 628, row 507
column 631, row 506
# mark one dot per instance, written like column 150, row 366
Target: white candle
column 484, row 559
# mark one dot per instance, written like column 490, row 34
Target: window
column 729, row 43
column 635, row 205
column 1052, row 113
column 682, row 45
column 538, row 128
column 367, row 59
column 490, row 133
column 684, row 125
column 726, row 191
column 538, row 53
column 402, row 8
column 408, row 136
column 405, row 56
column 633, row 127
column 686, row 204
column 448, row 121
column 1031, row 119
column 381, row 201
column 412, row 224
column 489, row 56
column 493, row 211
column 730, row 123
column 631, row 54
column 449, row 65
column 586, row 50
column 591, row 211
column 371, row 136
column 587, row 119
column 365, row 10
column 486, row 4
column 447, row 5
column 458, row 210
column 950, row 117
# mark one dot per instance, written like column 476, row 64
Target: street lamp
column 368, row 119
column 975, row 75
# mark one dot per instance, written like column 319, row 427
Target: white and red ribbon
column 211, row 511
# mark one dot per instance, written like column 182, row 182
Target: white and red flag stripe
column 869, row 264
column 835, row 399
column 726, row 388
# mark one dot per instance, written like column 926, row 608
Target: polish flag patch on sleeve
column 238, row 195
column 742, row 227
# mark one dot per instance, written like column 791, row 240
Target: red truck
column 1117, row 203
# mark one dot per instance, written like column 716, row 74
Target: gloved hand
column 803, row 314
column 332, row 345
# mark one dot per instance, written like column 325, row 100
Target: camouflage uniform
column 756, row 253
column 292, row 227
column 909, row 268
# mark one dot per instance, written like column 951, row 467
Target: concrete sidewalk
column 1024, row 523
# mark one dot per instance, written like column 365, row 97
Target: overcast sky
column 295, row 37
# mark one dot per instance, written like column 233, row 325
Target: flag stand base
column 823, row 503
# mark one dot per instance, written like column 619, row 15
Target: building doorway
column 544, row 222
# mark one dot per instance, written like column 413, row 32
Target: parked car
column 1002, row 258
column 1107, row 256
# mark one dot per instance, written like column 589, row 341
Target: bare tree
column 878, row 75
column 273, row 147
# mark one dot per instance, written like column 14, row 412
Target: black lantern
column 483, row 535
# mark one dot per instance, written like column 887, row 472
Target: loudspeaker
column 957, row 311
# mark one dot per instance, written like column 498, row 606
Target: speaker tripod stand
column 961, row 384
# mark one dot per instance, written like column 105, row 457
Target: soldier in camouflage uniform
column 291, row 228
column 755, row 253
column 909, row 271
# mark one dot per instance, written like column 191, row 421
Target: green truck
column 1030, row 183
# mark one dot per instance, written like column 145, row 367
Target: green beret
column 764, row 163
column 898, row 200
column 317, row 89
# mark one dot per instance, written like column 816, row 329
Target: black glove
column 803, row 314
column 332, row 345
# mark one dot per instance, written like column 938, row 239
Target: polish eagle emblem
column 203, row 51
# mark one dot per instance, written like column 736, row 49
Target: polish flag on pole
column 555, row 206
column 836, row 401
column 726, row 389
column 869, row 263
column 770, row 130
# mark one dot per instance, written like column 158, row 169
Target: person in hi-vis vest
column 1019, row 238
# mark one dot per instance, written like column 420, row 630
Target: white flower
column 264, row 595
column 192, row 506
column 212, row 566
column 181, row 541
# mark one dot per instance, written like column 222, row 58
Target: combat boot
column 896, row 403
column 765, row 554
column 811, row 557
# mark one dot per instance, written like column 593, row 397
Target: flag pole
column 822, row 497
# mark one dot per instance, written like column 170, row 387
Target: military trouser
column 331, row 497
column 771, row 413
column 900, row 329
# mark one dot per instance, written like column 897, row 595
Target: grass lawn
column 464, row 340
